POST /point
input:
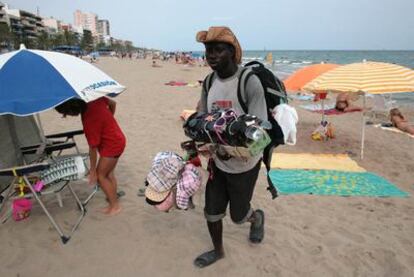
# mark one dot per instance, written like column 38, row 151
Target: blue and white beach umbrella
column 32, row 81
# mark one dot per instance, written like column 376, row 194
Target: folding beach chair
column 14, row 167
column 37, row 149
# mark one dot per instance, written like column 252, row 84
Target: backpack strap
column 267, row 159
column 208, row 82
column 244, row 76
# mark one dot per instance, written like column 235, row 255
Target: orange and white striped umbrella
column 367, row 77
column 301, row 77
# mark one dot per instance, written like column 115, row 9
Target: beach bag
column 275, row 94
column 21, row 208
column 323, row 132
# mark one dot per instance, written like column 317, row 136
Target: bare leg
column 104, row 169
column 113, row 179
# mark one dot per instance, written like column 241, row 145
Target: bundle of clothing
column 172, row 181
column 225, row 127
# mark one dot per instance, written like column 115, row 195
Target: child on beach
column 105, row 137
column 398, row 120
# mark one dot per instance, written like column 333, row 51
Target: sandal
column 207, row 259
column 141, row 192
column 257, row 228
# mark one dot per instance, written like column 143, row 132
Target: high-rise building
column 77, row 18
column 103, row 27
column 103, row 31
column 88, row 21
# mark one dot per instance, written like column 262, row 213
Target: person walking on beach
column 105, row 137
column 231, row 181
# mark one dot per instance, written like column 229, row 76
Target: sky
column 259, row 24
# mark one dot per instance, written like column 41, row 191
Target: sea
column 286, row 62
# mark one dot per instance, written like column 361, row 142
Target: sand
column 305, row 235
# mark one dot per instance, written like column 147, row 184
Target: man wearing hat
column 232, row 179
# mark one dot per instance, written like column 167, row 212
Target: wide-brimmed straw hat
column 154, row 195
column 221, row 34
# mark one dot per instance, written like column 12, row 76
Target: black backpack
column 275, row 94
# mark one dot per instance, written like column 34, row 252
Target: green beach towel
column 333, row 182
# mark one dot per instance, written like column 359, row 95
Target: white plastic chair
column 382, row 104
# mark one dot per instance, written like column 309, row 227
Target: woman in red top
column 105, row 137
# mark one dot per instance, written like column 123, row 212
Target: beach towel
column 329, row 109
column 194, row 85
column 314, row 107
column 333, row 112
column 333, row 182
column 392, row 129
column 176, row 84
column 315, row 161
column 185, row 114
column 301, row 97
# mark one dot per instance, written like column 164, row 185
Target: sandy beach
column 305, row 235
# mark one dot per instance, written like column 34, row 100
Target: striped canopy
column 367, row 77
column 301, row 77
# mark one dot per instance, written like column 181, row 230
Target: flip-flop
column 141, row 192
column 257, row 230
column 206, row 259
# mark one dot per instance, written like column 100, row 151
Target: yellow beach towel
column 340, row 162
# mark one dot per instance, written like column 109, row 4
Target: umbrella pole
column 42, row 132
column 363, row 127
column 323, row 110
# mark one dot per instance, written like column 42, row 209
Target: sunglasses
column 226, row 117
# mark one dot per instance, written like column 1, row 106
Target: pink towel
column 177, row 84
column 332, row 112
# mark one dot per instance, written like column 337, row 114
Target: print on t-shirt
column 221, row 105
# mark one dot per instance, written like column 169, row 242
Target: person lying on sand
column 343, row 103
column 398, row 121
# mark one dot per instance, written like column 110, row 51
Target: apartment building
column 103, row 27
column 87, row 21
column 23, row 24
column 3, row 18
column 52, row 25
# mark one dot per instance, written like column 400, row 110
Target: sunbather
column 399, row 121
column 343, row 103
column 105, row 137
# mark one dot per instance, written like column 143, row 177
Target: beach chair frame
column 23, row 172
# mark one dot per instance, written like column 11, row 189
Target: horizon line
column 320, row 50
